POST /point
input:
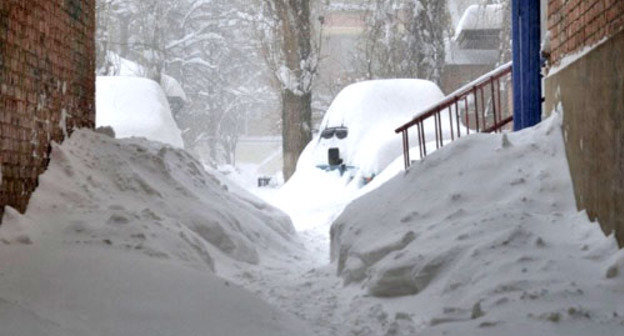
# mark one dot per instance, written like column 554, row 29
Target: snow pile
column 135, row 107
column 484, row 235
column 121, row 238
column 154, row 199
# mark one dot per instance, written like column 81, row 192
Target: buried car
column 357, row 136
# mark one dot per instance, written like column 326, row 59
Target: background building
column 47, row 86
column 475, row 48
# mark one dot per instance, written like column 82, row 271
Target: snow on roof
column 172, row 87
column 479, row 17
column 135, row 107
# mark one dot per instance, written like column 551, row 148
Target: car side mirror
column 333, row 157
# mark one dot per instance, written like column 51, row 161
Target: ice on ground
column 135, row 107
column 483, row 237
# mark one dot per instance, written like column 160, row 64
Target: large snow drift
column 135, row 107
column 483, row 237
column 121, row 238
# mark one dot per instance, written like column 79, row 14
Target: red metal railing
column 472, row 107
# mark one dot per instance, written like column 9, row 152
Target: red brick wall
column 47, row 79
column 574, row 24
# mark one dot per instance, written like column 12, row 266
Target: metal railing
column 474, row 107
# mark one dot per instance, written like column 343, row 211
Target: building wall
column 47, row 86
column 575, row 24
column 591, row 93
column 455, row 76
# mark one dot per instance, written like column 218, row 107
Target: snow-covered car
column 136, row 107
column 356, row 136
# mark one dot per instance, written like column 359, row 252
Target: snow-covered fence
column 483, row 105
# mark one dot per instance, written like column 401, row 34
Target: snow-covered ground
column 132, row 237
column 482, row 237
column 128, row 237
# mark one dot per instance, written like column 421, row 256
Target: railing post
column 476, row 89
column 457, row 117
column 476, row 104
column 483, row 108
column 406, row 155
column 499, row 103
column 424, row 141
column 450, row 110
column 466, row 115
column 420, row 142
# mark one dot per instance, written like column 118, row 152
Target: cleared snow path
column 305, row 284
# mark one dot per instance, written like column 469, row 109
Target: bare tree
column 207, row 46
column 505, row 36
column 287, row 43
column 429, row 24
column 404, row 38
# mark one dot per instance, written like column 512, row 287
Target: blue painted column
column 526, row 63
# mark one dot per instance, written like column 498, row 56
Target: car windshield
column 340, row 132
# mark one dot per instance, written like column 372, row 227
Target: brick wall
column 47, row 86
column 574, row 24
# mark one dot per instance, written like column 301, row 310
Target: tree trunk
column 124, row 36
column 296, row 101
column 296, row 133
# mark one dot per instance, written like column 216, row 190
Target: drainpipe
column 527, row 80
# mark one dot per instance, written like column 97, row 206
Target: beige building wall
column 588, row 83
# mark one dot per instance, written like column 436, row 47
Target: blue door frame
column 526, row 63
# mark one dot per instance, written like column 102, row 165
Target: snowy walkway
column 127, row 237
column 306, row 284
column 492, row 246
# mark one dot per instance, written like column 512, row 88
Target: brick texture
column 47, row 86
column 575, row 24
